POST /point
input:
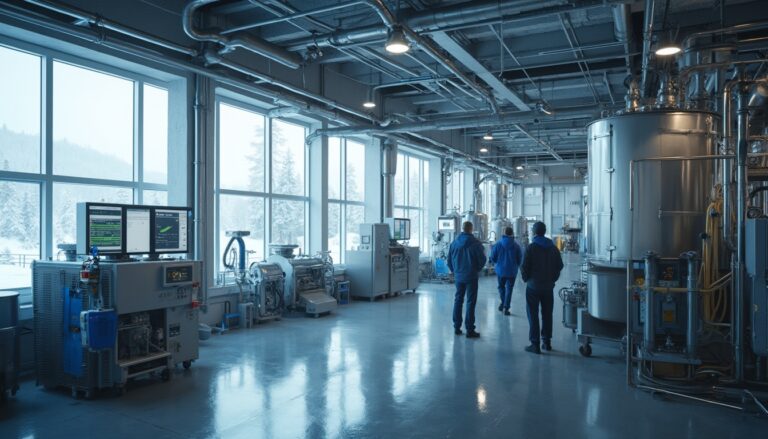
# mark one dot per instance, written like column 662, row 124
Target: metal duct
column 95, row 20
column 473, row 121
column 463, row 15
column 621, row 25
column 647, row 39
column 388, row 171
column 238, row 40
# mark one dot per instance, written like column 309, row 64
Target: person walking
column 506, row 255
column 541, row 268
column 466, row 258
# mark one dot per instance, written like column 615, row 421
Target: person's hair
column 509, row 232
column 467, row 227
column 539, row 228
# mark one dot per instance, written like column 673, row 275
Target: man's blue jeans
column 468, row 289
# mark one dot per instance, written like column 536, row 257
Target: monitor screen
column 171, row 230
column 104, row 228
column 137, row 230
column 399, row 228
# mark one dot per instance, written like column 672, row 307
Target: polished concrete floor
column 386, row 369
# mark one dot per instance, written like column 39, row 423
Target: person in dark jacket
column 466, row 258
column 506, row 255
column 540, row 270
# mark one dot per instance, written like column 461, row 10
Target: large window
column 455, row 191
column 261, row 180
column 90, row 153
column 346, row 189
column 411, row 184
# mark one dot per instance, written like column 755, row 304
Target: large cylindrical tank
column 670, row 197
column 479, row 222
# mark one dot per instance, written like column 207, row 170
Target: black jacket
column 542, row 264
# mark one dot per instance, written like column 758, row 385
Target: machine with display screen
column 100, row 225
column 399, row 228
column 119, row 321
column 382, row 266
column 305, row 280
column 447, row 229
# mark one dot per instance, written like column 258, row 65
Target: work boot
column 501, row 307
column 457, row 331
column 507, row 313
column 546, row 345
column 533, row 348
column 473, row 334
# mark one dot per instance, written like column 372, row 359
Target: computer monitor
column 399, row 228
column 171, row 229
column 99, row 225
column 137, row 229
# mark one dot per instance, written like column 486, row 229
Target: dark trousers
column 506, row 284
column 547, row 300
column 468, row 289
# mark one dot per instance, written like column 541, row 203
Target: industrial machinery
column 267, row 291
column 573, row 298
column 448, row 227
column 381, row 265
column 99, row 324
column 672, row 208
column 306, row 285
column 500, row 221
column 9, row 343
column 520, row 228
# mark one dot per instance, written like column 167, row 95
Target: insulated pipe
column 727, row 166
column 388, row 171
column 649, row 327
column 690, row 39
column 242, row 40
column 621, row 24
column 647, row 39
column 95, row 20
column 742, row 136
column 692, row 322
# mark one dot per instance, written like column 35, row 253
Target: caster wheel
column 165, row 375
column 585, row 350
column 187, row 364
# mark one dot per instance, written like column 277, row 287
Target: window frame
column 343, row 201
column 45, row 178
column 224, row 96
column 421, row 205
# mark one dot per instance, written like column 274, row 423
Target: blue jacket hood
column 465, row 240
column 508, row 241
column 543, row 241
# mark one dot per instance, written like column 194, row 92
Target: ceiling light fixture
column 396, row 43
column 488, row 136
column 519, row 167
column 667, row 46
column 483, row 149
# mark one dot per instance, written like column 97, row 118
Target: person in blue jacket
column 540, row 270
column 466, row 258
column 506, row 255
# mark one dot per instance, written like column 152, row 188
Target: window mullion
column 46, row 194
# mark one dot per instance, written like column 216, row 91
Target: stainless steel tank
column 479, row 222
column 670, row 197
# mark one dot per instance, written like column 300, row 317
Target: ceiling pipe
column 94, row 20
column 689, row 40
column 472, row 121
column 647, row 40
column 455, row 17
column 621, row 26
column 238, row 40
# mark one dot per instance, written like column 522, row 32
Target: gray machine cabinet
column 757, row 263
column 368, row 267
column 413, row 254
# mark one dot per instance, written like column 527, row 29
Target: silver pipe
column 742, row 136
column 687, row 42
column 454, row 17
column 388, row 172
column 200, row 179
column 727, row 166
column 692, row 323
column 647, row 38
column 292, row 16
column 649, row 327
column 242, row 40
column 95, row 20
column 621, row 25
column 695, row 398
